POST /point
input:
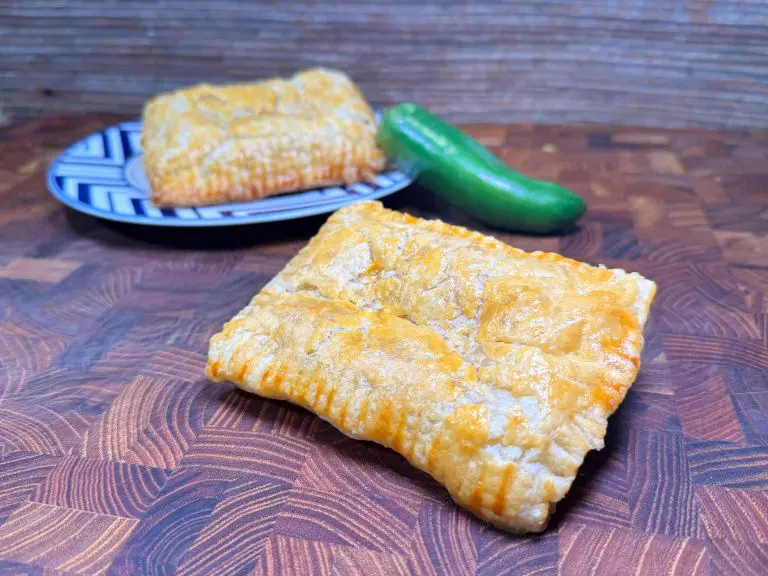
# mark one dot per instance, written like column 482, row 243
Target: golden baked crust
column 492, row 369
column 209, row 145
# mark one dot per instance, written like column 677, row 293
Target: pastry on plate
column 216, row 144
column 492, row 369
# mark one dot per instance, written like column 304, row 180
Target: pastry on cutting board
column 215, row 144
column 492, row 369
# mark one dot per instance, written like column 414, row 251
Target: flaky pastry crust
column 216, row 144
column 492, row 369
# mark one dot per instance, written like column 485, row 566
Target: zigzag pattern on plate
column 103, row 175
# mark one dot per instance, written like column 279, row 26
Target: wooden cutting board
column 116, row 454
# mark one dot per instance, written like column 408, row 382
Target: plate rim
column 290, row 214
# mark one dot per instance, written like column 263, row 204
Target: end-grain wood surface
column 117, row 456
column 654, row 62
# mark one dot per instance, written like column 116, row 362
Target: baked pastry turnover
column 492, row 369
column 211, row 145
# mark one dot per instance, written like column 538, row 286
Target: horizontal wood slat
column 643, row 62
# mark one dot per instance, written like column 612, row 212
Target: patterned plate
column 103, row 175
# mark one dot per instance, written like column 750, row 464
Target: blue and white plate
column 103, row 175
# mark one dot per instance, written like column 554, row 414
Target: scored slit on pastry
column 214, row 144
column 492, row 369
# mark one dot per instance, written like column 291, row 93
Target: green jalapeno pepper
column 462, row 171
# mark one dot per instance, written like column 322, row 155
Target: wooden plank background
column 662, row 63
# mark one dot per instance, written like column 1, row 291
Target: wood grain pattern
column 103, row 486
column 246, row 514
column 587, row 550
column 68, row 540
column 118, row 457
column 647, row 62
